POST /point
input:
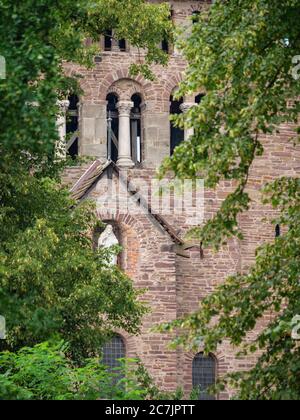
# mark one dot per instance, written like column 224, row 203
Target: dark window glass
column 204, row 375
column 177, row 134
column 122, row 45
column 72, row 125
column 112, row 101
column 136, row 129
column 72, row 114
column 195, row 16
column 112, row 113
column 165, row 46
column 108, row 40
column 112, row 352
column 199, row 98
column 74, row 149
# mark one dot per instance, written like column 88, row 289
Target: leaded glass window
column 112, row 352
column 204, row 375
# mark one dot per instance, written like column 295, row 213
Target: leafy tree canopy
column 37, row 37
column 243, row 55
column 52, row 281
column 44, row 372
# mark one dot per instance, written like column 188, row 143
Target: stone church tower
column 127, row 120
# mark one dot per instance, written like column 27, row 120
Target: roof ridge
column 91, row 176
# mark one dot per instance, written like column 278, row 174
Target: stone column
column 185, row 107
column 124, row 159
column 61, row 124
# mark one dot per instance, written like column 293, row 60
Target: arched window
column 110, row 43
column 116, row 231
column 177, row 134
column 108, row 40
column 112, row 352
column 195, row 16
column 199, row 98
column 204, row 375
column 136, row 129
column 277, row 231
column 72, row 127
column 165, row 46
column 113, row 126
column 122, row 45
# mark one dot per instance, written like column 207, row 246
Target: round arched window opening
column 204, row 375
column 199, row 98
column 136, row 128
column 113, row 126
column 112, row 351
column 177, row 133
column 72, row 127
column 196, row 16
column 116, row 231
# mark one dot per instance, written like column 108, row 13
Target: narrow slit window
column 122, row 45
column 113, row 126
column 177, row 133
column 195, row 16
column 72, row 127
column 108, row 40
column 136, row 129
column 165, row 46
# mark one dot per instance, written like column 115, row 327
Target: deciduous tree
column 243, row 55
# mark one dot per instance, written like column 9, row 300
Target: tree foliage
column 52, row 281
column 43, row 35
column 44, row 372
column 242, row 54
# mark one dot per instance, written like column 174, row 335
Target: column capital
column 124, row 108
column 115, row 45
column 186, row 106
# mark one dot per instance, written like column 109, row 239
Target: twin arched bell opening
column 126, row 126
